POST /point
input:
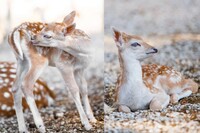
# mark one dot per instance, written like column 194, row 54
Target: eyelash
column 135, row 44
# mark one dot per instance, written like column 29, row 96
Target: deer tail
column 14, row 41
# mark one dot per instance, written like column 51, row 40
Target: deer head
column 53, row 34
column 132, row 46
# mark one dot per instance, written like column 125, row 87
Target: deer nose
column 33, row 37
column 155, row 50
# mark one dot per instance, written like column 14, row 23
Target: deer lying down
column 148, row 86
column 42, row 94
column 32, row 60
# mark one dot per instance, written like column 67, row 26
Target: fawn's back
column 167, row 78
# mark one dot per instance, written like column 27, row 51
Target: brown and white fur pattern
column 77, row 43
column 148, row 86
column 43, row 95
column 32, row 60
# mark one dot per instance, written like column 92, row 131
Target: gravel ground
column 62, row 117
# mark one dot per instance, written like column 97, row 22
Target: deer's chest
column 134, row 96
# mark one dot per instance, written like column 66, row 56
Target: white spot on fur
column 157, row 82
column 6, row 80
column 41, row 87
column 13, row 70
column 13, row 76
column 3, row 75
column 41, row 26
column 24, row 26
column 36, row 85
column 175, row 79
column 3, row 70
column 10, row 89
column 3, row 107
column 1, row 81
column 168, row 71
column 8, row 108
column 6, row 94
column 35, row 89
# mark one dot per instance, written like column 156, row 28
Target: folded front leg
column 160, row 101
column 174, row 98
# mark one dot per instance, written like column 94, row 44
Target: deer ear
column 117, row 37
column 69, row 19
column 69, row 29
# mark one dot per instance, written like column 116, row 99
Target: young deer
column 32, row 60
column 43, row 95
column 77, row 43
column 148, row 86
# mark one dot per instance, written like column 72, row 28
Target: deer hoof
column 88, row 126
column 41, row 129
column 174, row 98
column 124, row 109
column 93, row 120
column 26, row 131
column 155, row 105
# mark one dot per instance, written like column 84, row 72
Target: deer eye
column 47, row 36
column 135, row 44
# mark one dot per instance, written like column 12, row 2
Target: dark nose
column 33, row 37
column 155, row 50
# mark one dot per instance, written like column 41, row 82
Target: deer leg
column 82, row 83
column 174, row 98
column 27, row 88
column 159, row 102
column 17, row 95
column 71, row 84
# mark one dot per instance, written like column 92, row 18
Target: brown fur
column 40, row 89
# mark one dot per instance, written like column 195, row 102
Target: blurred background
column 89, row 19
column 172, row 26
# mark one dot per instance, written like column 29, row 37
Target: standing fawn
column 148, row 86
column 32, row 60
column 43, row 95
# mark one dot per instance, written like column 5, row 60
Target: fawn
column 77, row 43
column 148, row 86
column 32, row 60
column 43, row 95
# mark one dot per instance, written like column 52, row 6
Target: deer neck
column 131, row 69
column 78, row 47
